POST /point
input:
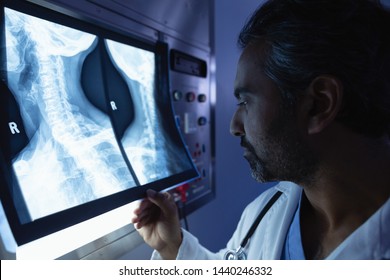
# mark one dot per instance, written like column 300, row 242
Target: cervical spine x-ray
column 67, row 83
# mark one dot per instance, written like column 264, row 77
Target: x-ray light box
column 86, row 120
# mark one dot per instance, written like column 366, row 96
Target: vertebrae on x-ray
column 144, row 141
column 77, row 141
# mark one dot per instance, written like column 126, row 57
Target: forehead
column 250, row 71
column 253, row 52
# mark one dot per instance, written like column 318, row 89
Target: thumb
column 163, row 200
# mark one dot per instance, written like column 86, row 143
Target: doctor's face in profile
column 270, row 133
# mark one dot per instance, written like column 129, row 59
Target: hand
column 157, row 221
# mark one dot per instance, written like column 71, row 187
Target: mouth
column 245, row 145
column 248, row 150
column 247, row 154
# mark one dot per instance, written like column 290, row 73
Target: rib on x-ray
column 73, row 156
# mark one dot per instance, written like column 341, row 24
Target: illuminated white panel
column 62, row 242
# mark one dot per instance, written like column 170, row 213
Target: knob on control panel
column 202, row 121
column 177, row 95
column 190, row 96
column 202, row 97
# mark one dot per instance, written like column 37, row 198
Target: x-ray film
column 89, row 119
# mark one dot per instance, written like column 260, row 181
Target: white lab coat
column 370, row 241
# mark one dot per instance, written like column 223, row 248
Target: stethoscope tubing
column 239, row 253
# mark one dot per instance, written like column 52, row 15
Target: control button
column 202, row 121
column 190, row 96
column 202, row 97
column 182, row 191
column 177, row 95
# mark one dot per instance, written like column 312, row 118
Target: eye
column 242, row 103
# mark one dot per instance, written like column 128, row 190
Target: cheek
column 256, row 124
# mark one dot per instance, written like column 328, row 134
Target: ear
column 324, row 99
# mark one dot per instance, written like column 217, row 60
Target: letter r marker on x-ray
column 13, row 127
column 113, row 106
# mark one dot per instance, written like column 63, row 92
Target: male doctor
column 313, row 112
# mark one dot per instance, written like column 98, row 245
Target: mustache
column 245, row 144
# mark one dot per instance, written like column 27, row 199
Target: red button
column 190, row 96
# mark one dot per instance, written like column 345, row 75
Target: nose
column 236, row 125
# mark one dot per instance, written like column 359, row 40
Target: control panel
column 192, row 103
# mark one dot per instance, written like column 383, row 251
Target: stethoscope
column 239, row 253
